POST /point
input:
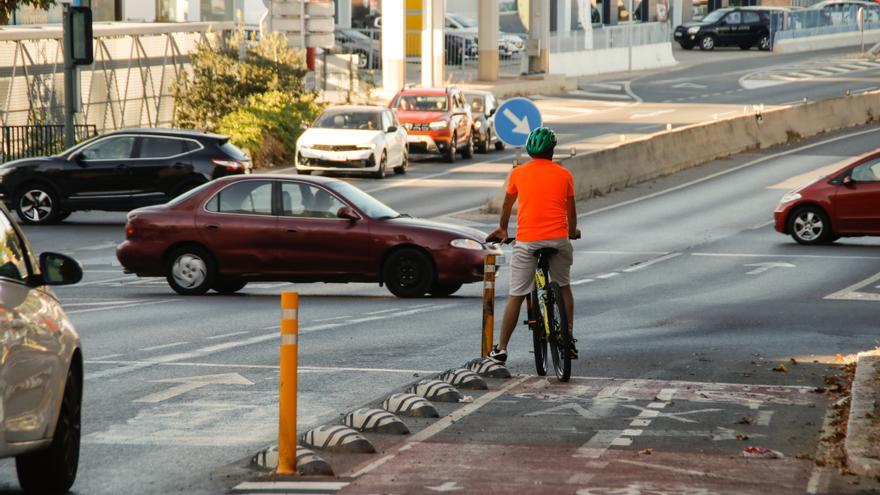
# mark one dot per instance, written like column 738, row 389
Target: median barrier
column 608, row 60
column 631, row 162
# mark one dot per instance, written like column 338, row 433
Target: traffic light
column 79, row 25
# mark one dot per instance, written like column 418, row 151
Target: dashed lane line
column 163, row 346
column 652, row 262
column 123, row 306
column 225, row 335
column 306, row 369
column 783, row 255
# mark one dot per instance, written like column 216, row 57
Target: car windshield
column 371, row 206
column 714, row 16
column 367, row 121
column 464, row 21
column 476, row 103
column 424, row 103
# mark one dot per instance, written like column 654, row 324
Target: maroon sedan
column 234, row 230
column 844, row 204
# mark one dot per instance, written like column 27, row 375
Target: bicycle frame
column 542, row 277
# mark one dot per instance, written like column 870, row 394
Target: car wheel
column 228, row 285
column 53, row 470
column 468, row 151
column 484, row 145
column 499, row 145
column 37, row 204
column 809, row 225
column 190, row 270
column 707, row 43
column 443, row 290
column 380, row 174
column 450, row 153
column 408, row 273
column 764, row 42
column 404, row 163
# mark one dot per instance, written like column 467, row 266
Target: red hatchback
column 235, row 230
column 843, row 204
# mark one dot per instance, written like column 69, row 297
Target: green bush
column 269, row 125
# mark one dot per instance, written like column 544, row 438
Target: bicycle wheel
column 559, row 338
column 539, row 336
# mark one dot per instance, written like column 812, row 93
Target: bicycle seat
column 545, row 252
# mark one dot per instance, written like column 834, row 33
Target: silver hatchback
column 41, row 366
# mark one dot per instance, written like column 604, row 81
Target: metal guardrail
column 819, row 22
column 605, row 37
column 26, row 141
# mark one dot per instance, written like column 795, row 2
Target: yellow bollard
column 488, row 304
column 287, row 398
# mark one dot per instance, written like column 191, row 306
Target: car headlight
column 694, row 30
column 467, row 244
column 478, row 124
column 440, row 124
column 370, row 146
column 789, row 197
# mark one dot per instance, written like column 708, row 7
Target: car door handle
column 291, row 231
column 213, row 227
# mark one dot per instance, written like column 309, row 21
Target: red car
column 437, row 121
column 234, row 230
column 843, row 204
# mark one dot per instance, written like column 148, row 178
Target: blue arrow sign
column 515, row 119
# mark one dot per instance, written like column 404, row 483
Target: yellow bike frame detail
column 541, row 284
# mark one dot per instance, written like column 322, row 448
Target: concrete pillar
column 433, row 42
column 393, row 53
column 488, row 20
column 343, row 13
column 539, row 36
column 563, row 17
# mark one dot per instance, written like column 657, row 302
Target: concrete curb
column 863, row 427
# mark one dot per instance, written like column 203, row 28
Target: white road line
column 820, row 477
column 604, row 95
column 97, row 247
column 375, row 312
column 101, row 358
column 762, row 225
column 582, row 281
column 654, row 261
column 116, row 302
column 764, row 418
column 305, row 486
column 852, row 292
column 780, row 255
column 105, row 281
column 625, row 253
column 607, row 275
column 597, row 444
column 122, row 306
column 224, row 335
column 312, row 369
column 728, row 171
column 163, row 346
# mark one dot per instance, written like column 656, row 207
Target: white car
column 353, row 139
column 41, row 374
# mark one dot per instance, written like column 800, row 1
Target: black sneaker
column 498, row 355
column 573, row 349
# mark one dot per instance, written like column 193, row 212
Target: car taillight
column 130, row 231
column 228, row 164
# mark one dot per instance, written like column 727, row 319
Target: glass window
column 371, row 206
column 476, row 103
column 304, row 200
column 714, row 16
column 157, row 147
column 751, row 18
column 250, row 197
column 115, row 148
column 867, row 172
column 733, row 18
column 368, row 121
column 386, row 121
column 424, row 103
column 12, row 253
column 233, row 151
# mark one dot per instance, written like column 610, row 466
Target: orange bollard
column 488, row 304
column 287, row 397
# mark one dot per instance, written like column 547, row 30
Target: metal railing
column 27, row 141
column 604, row 37
column 819, row 22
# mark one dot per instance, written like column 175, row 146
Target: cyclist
column 546, row 218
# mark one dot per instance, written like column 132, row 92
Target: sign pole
column 69, row 78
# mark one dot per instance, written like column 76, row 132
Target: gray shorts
column 523, row 264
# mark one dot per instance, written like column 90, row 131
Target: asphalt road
column 667, row 287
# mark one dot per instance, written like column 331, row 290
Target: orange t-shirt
column 542, row 188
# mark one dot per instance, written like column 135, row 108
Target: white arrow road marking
column 763, row 267
column 449, row 486
column 688, row 85
column 645, row 115
column 519, row 126
column 190, row 383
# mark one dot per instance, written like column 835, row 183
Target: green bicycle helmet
column 541, row 143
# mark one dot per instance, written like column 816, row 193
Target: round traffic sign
column 515, row 119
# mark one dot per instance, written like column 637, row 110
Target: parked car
column 483, row 106
column 437, row 121
column 744, row 27
column 42, row 366
column 846, row 203
column 297, row 229
column 367, row 49
column 508, row 44
column 353, row 139
column 118, row 171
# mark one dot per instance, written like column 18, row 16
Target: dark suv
column 118, row 171
column 744, row 27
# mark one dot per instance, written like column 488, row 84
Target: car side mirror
column 59, row 269
column 76, row 157
column 348, row 214
column 491, row 112
column 392, row 128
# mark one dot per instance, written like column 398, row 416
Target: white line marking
column 104, row 281
column 666, row 394
column 123, row 306
column 725, row 172
column 607, row 275
column 630, row 432
column 621, row 442
column 764, row 418
column 224, row 335
column 328, row 369
column 604, row 95
column 638, row 382
column 852, row 292
column 654, row 261
column 597, row 444
column 163, row 346
column 761, row 255
column 100, row 358
column 380, row 311
column 582, row 281
column 312, row 486
column 762, row 225
column 625, row 253
column 820, row 478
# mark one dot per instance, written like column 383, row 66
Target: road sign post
column 76, row 41
column 515, row 119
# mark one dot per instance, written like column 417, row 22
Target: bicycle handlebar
column 496, row 240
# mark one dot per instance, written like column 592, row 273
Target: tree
column 7, row 7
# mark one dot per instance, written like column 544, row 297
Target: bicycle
column 548, row 319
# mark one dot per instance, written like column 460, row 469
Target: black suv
column 744, row 27
column 118, row 171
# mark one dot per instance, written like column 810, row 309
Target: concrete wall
column 590, row 62
column 668, row 152
column 824, row 42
